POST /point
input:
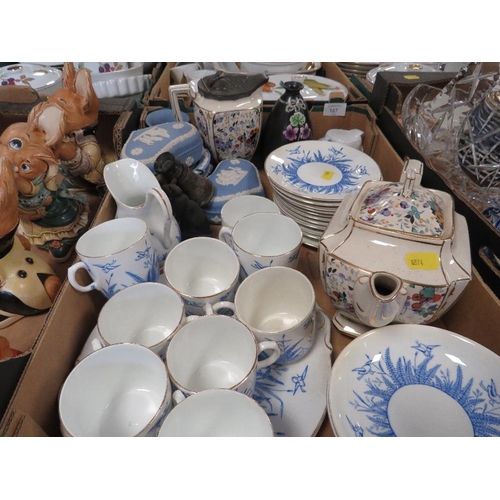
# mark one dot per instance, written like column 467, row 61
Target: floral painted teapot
column 394, row 252
column 228, row 111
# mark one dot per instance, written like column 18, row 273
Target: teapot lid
column 224, row 86
column 403, row 206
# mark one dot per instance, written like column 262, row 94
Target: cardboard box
column 33, row 410
column 391, row 87
column 115, row 123
column 159, row 94
column 332, row 71
column 481, row 231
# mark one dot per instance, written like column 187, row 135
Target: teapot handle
column 411, row 176
column 174, row 91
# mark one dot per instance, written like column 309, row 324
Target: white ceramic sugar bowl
column 395, row 252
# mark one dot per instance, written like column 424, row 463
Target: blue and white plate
column 294, row 395
column 320, row 171
column 414, row 380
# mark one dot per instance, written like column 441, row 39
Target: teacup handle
column 268, row 345
column 178, row 397
column 215, row 308
column 167, row 217
column 72, row 278
column 225, row 235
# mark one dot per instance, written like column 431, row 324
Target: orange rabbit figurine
column 79, row 151
column 52, row 216
column 28, row 285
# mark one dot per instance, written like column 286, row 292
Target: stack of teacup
column 177, row 346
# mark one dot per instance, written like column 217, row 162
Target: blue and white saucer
column 320, row 171
column 294, row 395
column 414, row 381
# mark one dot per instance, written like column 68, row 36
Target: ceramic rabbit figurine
column 79, row 152
column 51, row 216
column 28, row 285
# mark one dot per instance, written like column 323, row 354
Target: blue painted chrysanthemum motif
column 350, row 180
column 383, row 377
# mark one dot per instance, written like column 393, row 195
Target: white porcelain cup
column 263, row 240
column 147, row 314
column 216, row 352
column 217, row 413
column 247, row 204
column 119, row 390
column 116, row 254
column 203, row 271
column 278, row 303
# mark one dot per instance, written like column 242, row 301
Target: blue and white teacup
column 263, row 240
column 116, row 254
column 203, row 271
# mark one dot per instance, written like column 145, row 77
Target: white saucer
column 322, row 171
column 414, row 381
column 294, row 395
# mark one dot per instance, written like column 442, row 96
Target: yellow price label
column 327, row 175
column 427, row 261
column 412, row 77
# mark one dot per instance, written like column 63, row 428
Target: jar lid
column 224, row 86
column 387, row 207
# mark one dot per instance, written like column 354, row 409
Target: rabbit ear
column 84, row 87
column 48, row 118
column 69, row 75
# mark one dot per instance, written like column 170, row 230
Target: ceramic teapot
column 395, row 252
column 138, row 193
column 227, row 110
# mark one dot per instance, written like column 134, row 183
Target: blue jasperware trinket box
column 232, row 177
column 179, row 138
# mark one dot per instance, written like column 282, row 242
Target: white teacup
column 278, row 303
column 119, row 390
column 216, row 352
column 147, row 314
column 241, row 206
column 203, row 271
column 116, row 254
column 217, row 413
column 263, row 240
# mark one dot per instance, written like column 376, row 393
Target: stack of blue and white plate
column 311, row 178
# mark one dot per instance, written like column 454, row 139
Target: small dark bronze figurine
column 191, row 218
column 169, row 170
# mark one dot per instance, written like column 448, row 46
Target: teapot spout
column 378, row 298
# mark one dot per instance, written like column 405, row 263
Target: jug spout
column 378, row 298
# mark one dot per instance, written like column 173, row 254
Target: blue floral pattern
column 117, row 280
column 352, row 175
column 235, row 134
column 383, row 376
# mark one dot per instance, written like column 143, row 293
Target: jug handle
column 174, row 91
column 166, row 211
